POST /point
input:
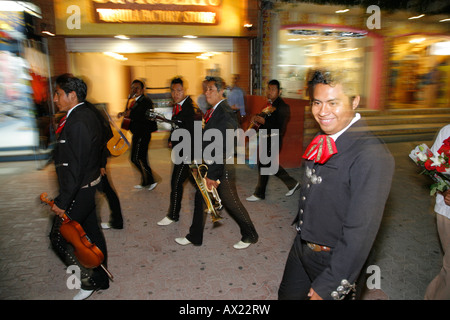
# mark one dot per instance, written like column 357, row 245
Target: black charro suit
column 142, row 127
column 222, row 118
column 341, row 207
column 77, row 159
column 276, row 120
column 180, row 172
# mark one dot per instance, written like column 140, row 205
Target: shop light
column 440, row 48
column 416, row 17
column 115, row 56
column 342, row 11
column 122, row 37
column 417, row 40
column 48, row 33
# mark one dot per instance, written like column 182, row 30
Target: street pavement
column 148, row 264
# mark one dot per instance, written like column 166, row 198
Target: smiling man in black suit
column 222, row 118
column 348, row 174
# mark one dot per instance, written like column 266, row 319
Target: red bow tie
column 176, row 109
column 61, row 124
column 320, row 149
column 208, row 114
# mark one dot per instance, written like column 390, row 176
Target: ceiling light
column 115, row 56
column 417, row 40
column 122, row 37
column 342, row 11
column 416, row 17
column 190, row 37
column 444, row 20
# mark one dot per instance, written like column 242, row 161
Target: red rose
column 428, row 165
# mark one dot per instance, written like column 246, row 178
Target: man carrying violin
column 277, row 119
column 77, row 160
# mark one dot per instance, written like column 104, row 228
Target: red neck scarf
column 320, row 149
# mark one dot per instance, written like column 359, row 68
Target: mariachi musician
column 141, row 126
column 77, row 160
column 185, row 112
column 220, row 175
column 277, row 118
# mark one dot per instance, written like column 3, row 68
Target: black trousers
column 303, row 265
column 83, row 210
column 260, row 190
column 180, row 173
column 115, row 219
column 232, row 204
column 139, row 157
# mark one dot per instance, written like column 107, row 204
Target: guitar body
column 118, row 144
column 266, row 112
column 126, row 123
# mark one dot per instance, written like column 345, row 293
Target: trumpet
column 211, row 197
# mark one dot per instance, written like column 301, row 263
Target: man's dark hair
column 176, row 80
column 330, row 77
column 219, row 82
column 274, row 82
column 140, row 83
column 68, row 83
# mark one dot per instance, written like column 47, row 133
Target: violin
column 265, row 112
column 87, row 253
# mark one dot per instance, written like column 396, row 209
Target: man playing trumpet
column 220, row 174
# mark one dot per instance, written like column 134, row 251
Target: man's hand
column 211, row 183
column 59, row 212
column 259, row 119
column 313, row 295
column 446, row 195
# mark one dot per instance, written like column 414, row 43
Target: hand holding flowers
column 434, row 165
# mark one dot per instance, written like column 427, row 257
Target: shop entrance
column 420, row 72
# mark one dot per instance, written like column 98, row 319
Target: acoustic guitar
column 159, row 117
column 266, row 112
column 118, row 144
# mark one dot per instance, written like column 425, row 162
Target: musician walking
column 77, row 160
column 346, row 182
column 185, row 112
column 141, row 126
column 220, row 117
column 278, row 119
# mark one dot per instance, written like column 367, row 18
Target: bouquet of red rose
column 434, row 165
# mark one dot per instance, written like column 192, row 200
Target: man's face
column 213, row 96
column 177, row 92
column 136, row 90
column 63, row 101
column 272, row 92
column 332, row 108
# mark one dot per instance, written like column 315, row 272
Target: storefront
column 388, row 70
column 24, row 73
column 420, row 71
column 110, row 43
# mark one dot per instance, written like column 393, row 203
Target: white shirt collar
column 217, row 104
column 68, row 112
column 337, row 134
column 182, row 101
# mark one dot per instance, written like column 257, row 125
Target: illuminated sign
column 197, row 12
